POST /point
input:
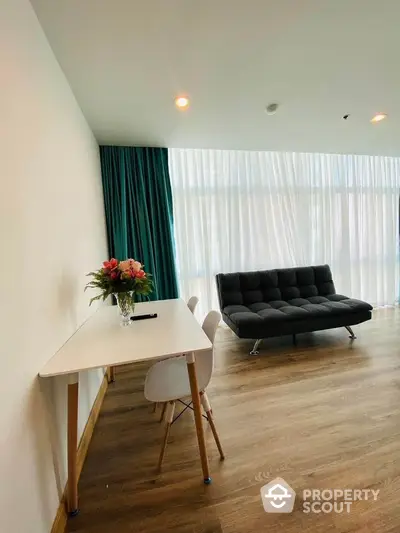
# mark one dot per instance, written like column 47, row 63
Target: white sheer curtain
column 241, row 211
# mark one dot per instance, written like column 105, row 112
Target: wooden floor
column 324, row 414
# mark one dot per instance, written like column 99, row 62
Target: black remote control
column 143, row 317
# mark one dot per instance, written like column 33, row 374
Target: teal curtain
column 139, row 214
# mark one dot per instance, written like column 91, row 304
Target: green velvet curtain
column 138, row 206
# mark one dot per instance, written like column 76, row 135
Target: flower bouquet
column 123, row 279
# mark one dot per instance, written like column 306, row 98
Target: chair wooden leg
column 168, row 419
column 207, row 408
column 163, row 411
column 155, row 407
column 214, row 431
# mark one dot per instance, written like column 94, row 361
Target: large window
column 240, row 211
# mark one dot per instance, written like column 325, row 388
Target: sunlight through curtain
column 241, row 211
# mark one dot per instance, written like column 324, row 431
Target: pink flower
column 136, row 266
column 141, row 274
column 111, row 264
column 114, row 275
column 125, row 266
column 130, row 265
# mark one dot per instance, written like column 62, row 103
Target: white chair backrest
column 210, row 324
column 205, row 360
column 192, row 302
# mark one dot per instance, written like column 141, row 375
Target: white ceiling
column 126, row 60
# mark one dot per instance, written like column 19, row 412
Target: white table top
column 101, row 341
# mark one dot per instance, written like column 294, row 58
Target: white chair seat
column 168, row 380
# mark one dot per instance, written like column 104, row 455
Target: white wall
column 51, row 233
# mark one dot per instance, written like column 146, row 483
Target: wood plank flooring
column 323, row 414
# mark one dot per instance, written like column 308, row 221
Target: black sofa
column 270, row 303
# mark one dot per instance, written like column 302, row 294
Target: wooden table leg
column 111, row 374
column 194, row 388
column 72, row 495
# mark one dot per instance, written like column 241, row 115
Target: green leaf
column 94, row 298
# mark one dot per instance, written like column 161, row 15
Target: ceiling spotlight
column 271, row 109
column 378, row 117
column 182, row 102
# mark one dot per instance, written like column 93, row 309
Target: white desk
column 102, row 342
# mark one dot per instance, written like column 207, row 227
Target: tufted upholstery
column 278, row 302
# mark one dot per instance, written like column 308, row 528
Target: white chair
column 192, row 303
column 167, row 381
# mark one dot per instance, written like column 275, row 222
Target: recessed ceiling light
column 182, row 102
column 271, row 109
column 378, row 117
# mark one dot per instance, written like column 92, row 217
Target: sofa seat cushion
column 294, row 309
column 354, row 304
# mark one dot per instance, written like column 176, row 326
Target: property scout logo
column 279, row 497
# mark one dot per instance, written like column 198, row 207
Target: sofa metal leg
column 294, row 340
column 352, row 336
column 255, row 351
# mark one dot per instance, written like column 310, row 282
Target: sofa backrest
column 244, row 288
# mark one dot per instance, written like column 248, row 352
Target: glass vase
column 126, row 306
